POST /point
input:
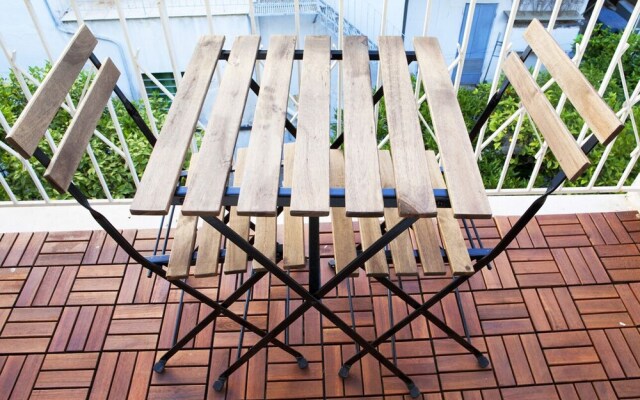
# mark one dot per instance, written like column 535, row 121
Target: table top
column 310, row 189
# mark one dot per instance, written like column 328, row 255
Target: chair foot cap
column 344, row 371
column 219, row 384
column 483, row 362
column 414, row 391
column 302, row 362
column 159, row 366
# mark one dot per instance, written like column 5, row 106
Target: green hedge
column 472, row 101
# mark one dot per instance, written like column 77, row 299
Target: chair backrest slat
column 562, row 143
column 76, row 138
column 596, row 113
column 43, row 106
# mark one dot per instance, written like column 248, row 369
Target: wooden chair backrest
column 586, row 100
column 43, row 106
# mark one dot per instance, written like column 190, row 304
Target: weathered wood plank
column 413, row 187
column 426, row 235
column 39, row 112
column 208, row 239
column 184, row 239
column 370, row 232
column 262, row 172
column 564, row 146
column 404, row 260
column 76, row 138
column 161, row 175
column 362, row 173
column 344, row 243
column 293, row 246
column 452, row 238
column 596, row 113
column 265, row 240
column 466, row 190
column 310, row 184
column 205, row 194
column 236, row 259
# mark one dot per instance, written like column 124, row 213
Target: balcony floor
column 558, row 315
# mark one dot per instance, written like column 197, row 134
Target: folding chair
column 40, row 111
column 571, row 156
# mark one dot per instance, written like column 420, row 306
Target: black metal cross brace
column 313, row 299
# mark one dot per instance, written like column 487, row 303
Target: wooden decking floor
column 558, row 316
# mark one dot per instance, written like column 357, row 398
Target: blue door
column 483, row 17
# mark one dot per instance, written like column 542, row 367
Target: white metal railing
column 346, row 17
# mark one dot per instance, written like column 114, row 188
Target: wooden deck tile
column 562, row 313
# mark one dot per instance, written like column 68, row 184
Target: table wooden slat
column 596, row 113
column 43, row 106
column 562, row 143
column 236, row 259
column 404, row 260
column 161, row 175
column 452, row 238
column 76, row 139
column 413, row 187
column 310, row 186
column 205, row 195
column 362, row 173
column 208, row 239
column 293, row 245
column 344, row 243
column 262, row 173
column 184, row 240
column 466, row 190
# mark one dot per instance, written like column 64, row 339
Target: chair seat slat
column 208, row 240
column 161, row 175
column 404, row 260
column 452, row 238
column 310, row 183
column 562, row 143
column 262, row 172
column 426, row 234
column 466, row 189
column 413, row 188
column 344, row 242
column 43, row 106
column 184, row 240
column 596, row 113
column 265, row 239
column 362, row 177
column 76, row 138
column 293, row 245
column 219, row 140
column 236, row 259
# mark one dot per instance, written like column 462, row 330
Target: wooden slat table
column 357, row 181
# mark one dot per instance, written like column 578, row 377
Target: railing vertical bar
column 425, row 28
column 383, row 31
column 123, row 143
column 340, row 38
column 132, row 55
column 465, row 43
column 496, row 76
